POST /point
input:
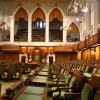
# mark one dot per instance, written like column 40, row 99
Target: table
column 39, row 80
column 31, row 93
column 41, row 73
column 26, row 93
column 34, row 64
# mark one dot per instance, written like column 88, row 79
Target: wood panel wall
column 65, row 56
column 9, row 56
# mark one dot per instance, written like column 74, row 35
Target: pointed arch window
column 4, row 32
column 21, row 26
column 73, row 34
column 38, row 26
column 55, row 22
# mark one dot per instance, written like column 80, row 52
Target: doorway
column 50, row 60
column 23, row 58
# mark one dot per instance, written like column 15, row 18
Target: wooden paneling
column 10, row 56
column 10, row 48
column 43, row 51
column 23, row 50
column 87, row 42
column 64, row 56
column 81, row 45
column 30, row 50
column 93, row 54
column 93, row 40
column 75, row 47
column 50, row 50
column 63, row 48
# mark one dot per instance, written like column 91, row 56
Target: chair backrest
column 68, row 78
column 87, row 69
column 26, row 66
column 98, row 72
column 83, row 68
column 97, row 96
column 12, row 70
column 94, row 71
column 62, row 71
column 86, row 91
column 66, row 74
column 72, row 84
column 1, row 70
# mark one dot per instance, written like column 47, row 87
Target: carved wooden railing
column 10, row 48
column 81, row 45
column 93, row 40
column 63, row 48
column 75, row 47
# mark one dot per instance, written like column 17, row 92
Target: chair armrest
column 67, row 93
column 59, row 80
column 72, row 96
column 65, row 87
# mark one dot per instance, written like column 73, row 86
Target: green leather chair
column 84, row 95
column 59, row 93
column 26, row 68
column 13, row 73
column 97, row 96
column 3, row 74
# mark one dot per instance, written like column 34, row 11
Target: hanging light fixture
column 77, row 6
column 65, row 27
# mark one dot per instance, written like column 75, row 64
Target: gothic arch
column 18, row 8
column 73, row 34
column 57, row 8
column 38, row 5
column 38, row 13
column 55, row 13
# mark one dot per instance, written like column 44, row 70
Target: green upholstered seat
column 2, row 72
column 87, row 69
column 12, row 73
column 83, row 68
column 26, row 68
column 94, row 71
column 84, row 95
column 61, row 83
column 98, row 72
column 97, row 95
column 86, row 92
column 59, row 94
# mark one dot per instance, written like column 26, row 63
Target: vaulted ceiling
column 9, row 6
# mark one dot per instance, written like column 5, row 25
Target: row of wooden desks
column 40, row 78
column 25, row 93
column 30, row 93
column 34, row 90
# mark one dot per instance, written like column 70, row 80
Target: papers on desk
column 87, row 74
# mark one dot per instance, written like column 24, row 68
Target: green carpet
column 36, row 90
column 29, row 97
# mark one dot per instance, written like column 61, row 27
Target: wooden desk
column 11, row 91
column 31, row 93
column 43, row 73
column 34, row 64
column 39, row 81
column 25, row 93
column 45, row 69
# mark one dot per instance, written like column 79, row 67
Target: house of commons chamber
column 49, row 49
